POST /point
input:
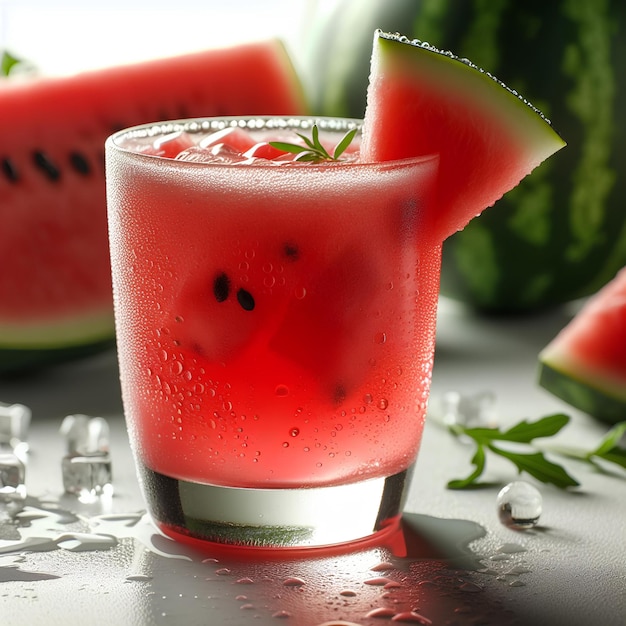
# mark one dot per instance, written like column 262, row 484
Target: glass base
column 274, row 518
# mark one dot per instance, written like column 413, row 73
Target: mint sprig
column 534, row 461
column 607, row 450
column 313, row 151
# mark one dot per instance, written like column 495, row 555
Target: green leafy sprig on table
column 313, row 151
column 534, row 461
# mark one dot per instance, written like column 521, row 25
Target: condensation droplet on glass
column 519, row 505
column 176, row 368
column 300, row 293
column 281, row 390
column 294, row 432
column 285, row 444
column 380, row 337
column 383, row 403
column 368, row 398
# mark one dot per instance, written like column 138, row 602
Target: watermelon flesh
column 585, row 364
column 55, row 283
column 421, row 100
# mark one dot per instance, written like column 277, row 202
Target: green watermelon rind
column 18, row 361
column 31, row 346
column 78, row 330
column 605, row 404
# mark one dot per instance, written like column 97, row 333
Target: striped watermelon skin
column 561, row 234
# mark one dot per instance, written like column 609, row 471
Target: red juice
column 275, row 321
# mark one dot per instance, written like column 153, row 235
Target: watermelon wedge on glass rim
column 422, row 100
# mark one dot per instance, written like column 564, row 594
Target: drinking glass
column 275, row 327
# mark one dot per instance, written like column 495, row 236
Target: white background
column 65, row 36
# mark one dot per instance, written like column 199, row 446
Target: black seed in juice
column 245, row 299
column 221, row 287
column 339, row 394
column 291, row 251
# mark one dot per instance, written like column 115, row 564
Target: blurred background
column 66, row 36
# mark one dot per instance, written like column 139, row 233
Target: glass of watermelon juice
column 275, row 326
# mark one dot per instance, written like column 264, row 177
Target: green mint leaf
column 478, row 460
column 7, row 61
column 615, row 455
column 539, row 467
column 610, row 440
column 288, row 147
column 523, row 432
column 313, row 150
column 341, row 147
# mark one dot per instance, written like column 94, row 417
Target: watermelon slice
column 421, row 100
column 55, row 284
column 585, row 364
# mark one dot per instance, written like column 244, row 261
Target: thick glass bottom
column 274, row 518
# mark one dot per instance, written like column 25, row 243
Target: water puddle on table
column 426, row 573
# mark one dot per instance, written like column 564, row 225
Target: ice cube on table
column 86, row 467
column 14, row 424
column 12, row 477
column 88, row 476
column 476, row 410
column 85, row 435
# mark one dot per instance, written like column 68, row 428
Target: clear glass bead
column 519, row 505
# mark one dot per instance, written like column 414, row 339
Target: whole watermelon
column 561, row 234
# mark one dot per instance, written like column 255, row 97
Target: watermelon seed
column 221, row 287
column 80, row 163
column 291, row 251
column 339, row 394
column 245, row 299
column 43, row 162
column 10, row 171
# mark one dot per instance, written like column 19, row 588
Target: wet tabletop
column 66, row 562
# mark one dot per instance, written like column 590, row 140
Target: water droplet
column 383, row 403
column 281, row 390
column 348, row 593
column 224, row 571
column 378, row 582
column 294, row 432
column 382, row 567
column 294, row 581
column 380, row 612
column 245, row 581
column 380, row 337
column 410, row 617
column 519, row 505
column 281, row 614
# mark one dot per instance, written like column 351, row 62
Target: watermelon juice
column 275, row 326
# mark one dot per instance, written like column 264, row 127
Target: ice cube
column 14, row 424
column 477, row 410
column 88, row 476
column 85, row 435
column 12, row 477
